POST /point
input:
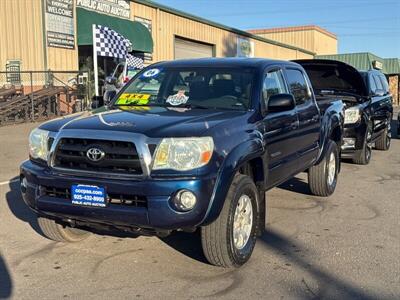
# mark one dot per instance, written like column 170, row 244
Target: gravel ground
column 344, row 247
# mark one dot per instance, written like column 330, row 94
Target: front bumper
column 353, row 138
column 158, row 213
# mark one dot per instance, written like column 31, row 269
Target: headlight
column 351, row 116
column 38, row 146
column 183, row 154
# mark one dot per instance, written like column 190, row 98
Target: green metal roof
column 218, row 25
column 364, row 61
column 392, row 65
column 136, row 32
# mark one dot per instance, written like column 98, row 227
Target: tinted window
column 378, row 83
column 273, row 84
column 384, row 83
column 298, row 86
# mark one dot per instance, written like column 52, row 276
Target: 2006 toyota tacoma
column 185, row 145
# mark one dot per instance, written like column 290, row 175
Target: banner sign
column 116, row 8
column 148, row 57
column 245, row 47
column 60, row 24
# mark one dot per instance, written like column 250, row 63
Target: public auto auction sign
column 117, row 8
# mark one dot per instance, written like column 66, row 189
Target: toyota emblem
column 95, row 154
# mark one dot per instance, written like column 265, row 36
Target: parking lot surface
column 343, row 247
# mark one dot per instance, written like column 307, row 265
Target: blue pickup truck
column 184, row 146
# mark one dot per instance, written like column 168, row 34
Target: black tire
column 363, row 156
column 58, row 233
column 217, row 238
column 383, row 142
column 318, row 174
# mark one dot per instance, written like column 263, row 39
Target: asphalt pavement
column 343, row 247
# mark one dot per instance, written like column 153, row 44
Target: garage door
column 189, row 49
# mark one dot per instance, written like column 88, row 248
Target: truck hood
column 150, row 121
column 333, row 76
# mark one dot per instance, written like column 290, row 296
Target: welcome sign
column 60, row 32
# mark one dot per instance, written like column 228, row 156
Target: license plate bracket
column 88, row 195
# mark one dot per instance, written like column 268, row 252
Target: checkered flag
column 135, row 62
column 109, row 43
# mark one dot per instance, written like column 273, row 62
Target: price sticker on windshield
column 178, row 99
column 133, row 99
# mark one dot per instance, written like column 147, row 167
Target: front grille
column 120, row 157
column 112, row 198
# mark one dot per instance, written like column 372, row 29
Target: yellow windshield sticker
column 133, row 99
column 138, row 108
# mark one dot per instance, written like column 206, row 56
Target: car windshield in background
column 213, row 88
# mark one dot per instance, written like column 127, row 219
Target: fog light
column 349, row 142
column 184, row 200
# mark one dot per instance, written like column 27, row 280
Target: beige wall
column 167, row 25
column 324, row 44
column 21, row 34
column 394, row 87
column 21, row 37
column 308, row 38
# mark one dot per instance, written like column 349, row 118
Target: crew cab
column 368, row 105
column 185, row 145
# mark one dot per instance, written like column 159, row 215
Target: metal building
column 56, row 34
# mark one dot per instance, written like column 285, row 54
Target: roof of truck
column 224, row 62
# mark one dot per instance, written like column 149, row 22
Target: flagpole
column 96, row 71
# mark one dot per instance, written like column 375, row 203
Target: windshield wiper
column 191, row 105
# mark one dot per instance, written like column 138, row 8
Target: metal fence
column 32, row 95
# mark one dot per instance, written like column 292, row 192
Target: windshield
column 214, row 88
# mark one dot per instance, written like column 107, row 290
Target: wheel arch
column 246, row 159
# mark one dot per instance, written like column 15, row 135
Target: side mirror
column 281, row 102
column 111, row 80
column 379, row 92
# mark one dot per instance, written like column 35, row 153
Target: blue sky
column 361, row 25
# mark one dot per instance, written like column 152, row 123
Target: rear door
column 308, row 133
column 380, row 103
column 280, row 130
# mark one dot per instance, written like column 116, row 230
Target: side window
column 378, row 82
column 384, row 83
column 273, row 84
column 298, row 86
column 372, row 85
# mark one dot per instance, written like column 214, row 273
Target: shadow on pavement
column 188, row 244
column 6, row 285
column 329, row 286
column 19, row 208
column 296, row 185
